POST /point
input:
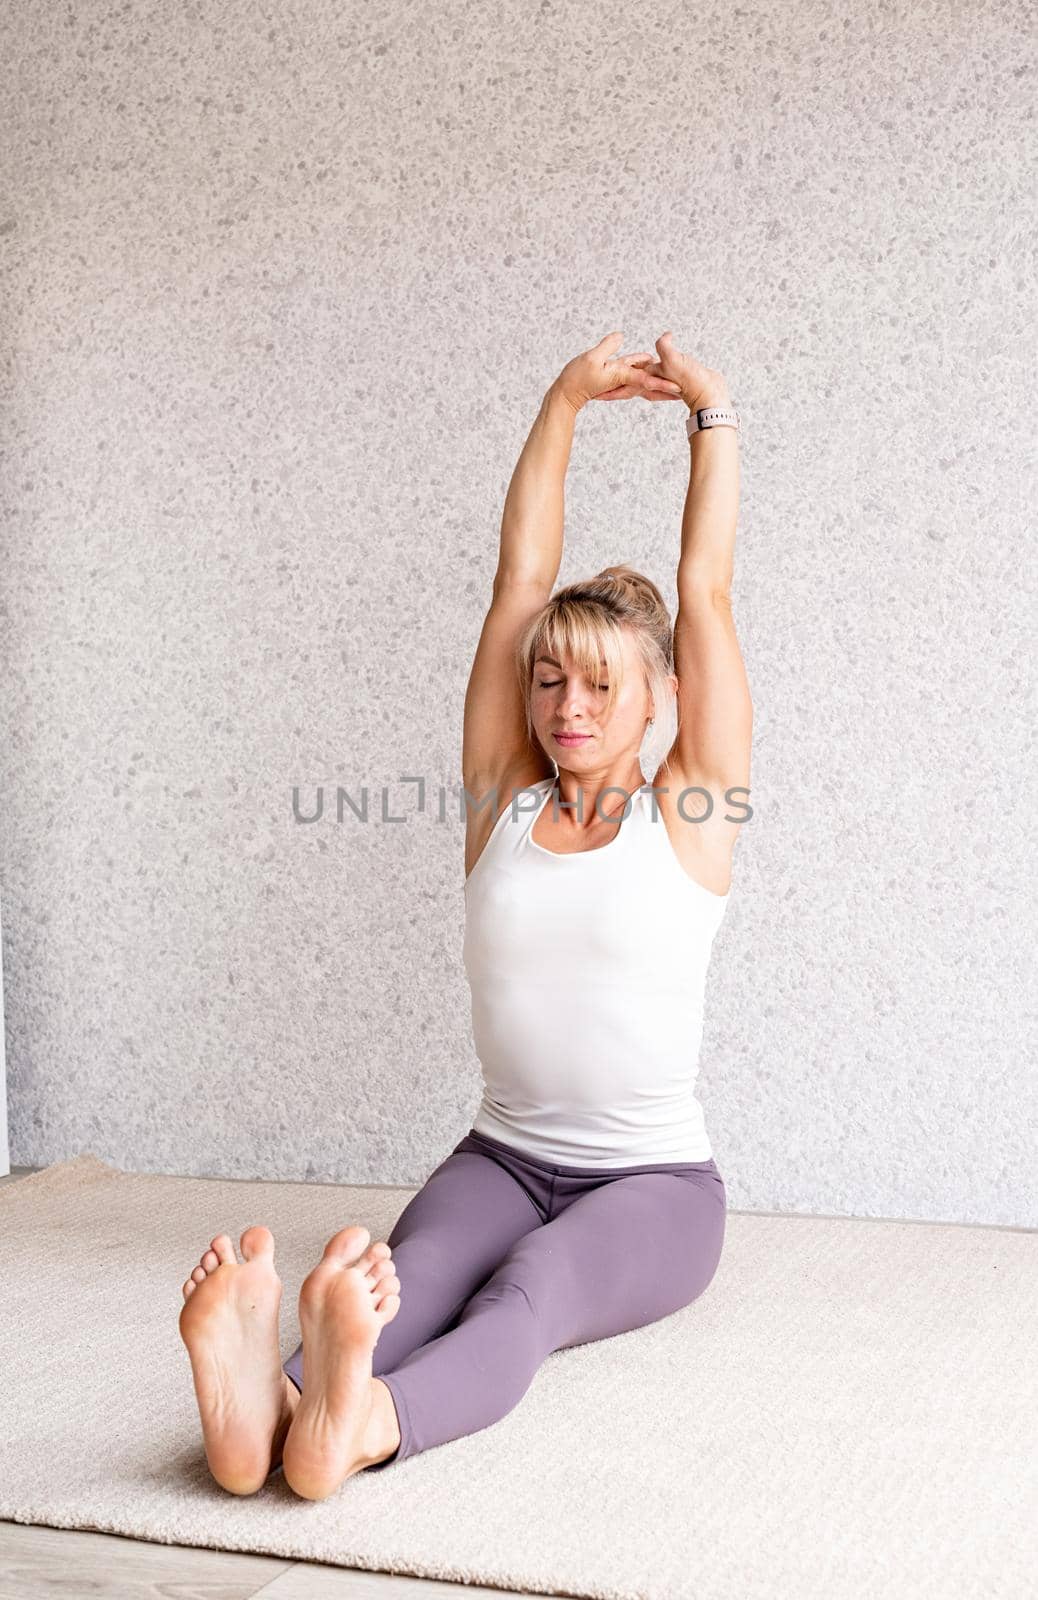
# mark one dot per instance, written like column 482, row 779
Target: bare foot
column 229, row 1322
column 343, row 1306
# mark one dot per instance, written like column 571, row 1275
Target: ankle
column 290, row 1398
column 382, row 1431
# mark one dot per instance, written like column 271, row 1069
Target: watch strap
column 711, row 417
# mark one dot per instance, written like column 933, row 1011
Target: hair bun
column 638, row 585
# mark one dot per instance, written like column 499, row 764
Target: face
column 562, row 701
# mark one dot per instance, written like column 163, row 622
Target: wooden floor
column 36, row 1562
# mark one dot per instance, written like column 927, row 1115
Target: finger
column 653, row 379
column 655, row 370
column 629, row 372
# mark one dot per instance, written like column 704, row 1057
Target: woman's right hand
column 597, row 374
column 699, row 385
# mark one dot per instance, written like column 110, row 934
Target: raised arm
column 495, row 745
column 714, row 706
column 529, row 557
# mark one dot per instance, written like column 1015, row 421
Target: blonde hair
column 586, row 620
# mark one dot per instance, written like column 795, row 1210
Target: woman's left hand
column 593, row 375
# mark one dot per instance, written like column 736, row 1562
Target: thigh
column 446, row 1242
column 620, row 1256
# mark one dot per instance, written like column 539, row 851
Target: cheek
column 626, row 722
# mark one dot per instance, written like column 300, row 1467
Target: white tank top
column 587, row 974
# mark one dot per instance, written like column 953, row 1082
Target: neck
column 597, row 796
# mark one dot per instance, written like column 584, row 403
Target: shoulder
column 486, row 801
column 693, row 808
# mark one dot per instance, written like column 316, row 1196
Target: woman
column 585, row 1200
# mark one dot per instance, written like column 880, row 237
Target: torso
column 704, row 851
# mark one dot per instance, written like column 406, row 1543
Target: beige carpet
column 849, row 1411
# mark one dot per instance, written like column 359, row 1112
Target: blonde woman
column 606, row 760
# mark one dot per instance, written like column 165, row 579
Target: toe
column 199, row 1275
column 188, row 1287
column 387, row 1290
column 257, row 1242
column 224, row 1248
column 376, row 1255
column 210, row 1261
column 347, row 1244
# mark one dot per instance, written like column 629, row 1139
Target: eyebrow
column 553, row 663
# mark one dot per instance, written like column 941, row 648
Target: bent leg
column 621, row 1255
column 446, row 1242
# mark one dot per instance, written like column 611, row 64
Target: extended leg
column 445, row 1244
column 620, row 1256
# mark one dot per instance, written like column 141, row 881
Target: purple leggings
column 503, row 1258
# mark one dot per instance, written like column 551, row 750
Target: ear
column 672, row 684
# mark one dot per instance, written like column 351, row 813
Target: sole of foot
column 229, row 1323
column 343, row 1306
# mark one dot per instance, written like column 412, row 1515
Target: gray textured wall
column 282, row 292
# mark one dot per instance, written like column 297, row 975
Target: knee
column 504, row 1285
column 528, row 1272
column 514, row 1341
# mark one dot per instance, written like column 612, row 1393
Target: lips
column 571, row 738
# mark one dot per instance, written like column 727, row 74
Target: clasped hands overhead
column 666, row 374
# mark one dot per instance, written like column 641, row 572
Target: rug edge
column 86, row 1165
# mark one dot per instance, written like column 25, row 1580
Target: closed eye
column 554, row 683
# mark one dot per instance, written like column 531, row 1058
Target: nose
column 573, row 701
